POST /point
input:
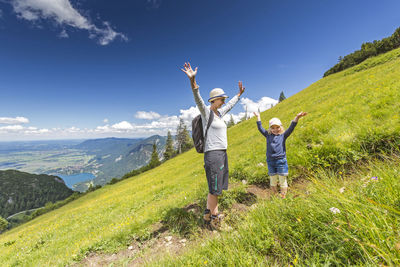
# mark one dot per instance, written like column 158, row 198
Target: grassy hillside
column 350, row 113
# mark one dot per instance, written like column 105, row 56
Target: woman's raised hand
column 241, row 88
column 188, row 70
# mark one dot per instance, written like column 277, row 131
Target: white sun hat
column 275, row 121
column 217, row 93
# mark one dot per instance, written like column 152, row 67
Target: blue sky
column 98, row 68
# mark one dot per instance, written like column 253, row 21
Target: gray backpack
column 199, row 140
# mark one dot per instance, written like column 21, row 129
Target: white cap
column 275, row 121
column 217, row 93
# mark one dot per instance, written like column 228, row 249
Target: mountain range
column 113, row 157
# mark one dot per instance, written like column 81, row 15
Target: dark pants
column 217, row 172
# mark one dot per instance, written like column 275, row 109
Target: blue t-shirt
column 276, row 147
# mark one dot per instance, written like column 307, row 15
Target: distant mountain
column 116, row 156
column 107, row 146
column 21, row 191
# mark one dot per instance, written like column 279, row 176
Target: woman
column 215, row 157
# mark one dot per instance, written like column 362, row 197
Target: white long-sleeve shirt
column 217, row 133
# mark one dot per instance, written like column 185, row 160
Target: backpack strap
column 210, row 119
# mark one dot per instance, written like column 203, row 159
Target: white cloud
column 123, row 125
column 189, row 114
column 151, row 115
column 16, row 120
column 64, row 14
column 159, row 124
column 261, row 105
column 236, row 117
column 11, row 128
column 63, row 34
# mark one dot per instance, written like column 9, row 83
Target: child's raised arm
column 259, row 126
column 289, row 131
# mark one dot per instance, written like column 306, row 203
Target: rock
column 130, row 247
column 168, row 238
column 182, row 241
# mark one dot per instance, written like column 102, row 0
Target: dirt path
column 162, row 241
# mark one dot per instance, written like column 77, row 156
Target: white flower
column 260, row 164
column 341, row 190
column 334, row 210
column 244, row 182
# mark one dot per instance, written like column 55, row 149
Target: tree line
column 367, row 50
column 21, row 191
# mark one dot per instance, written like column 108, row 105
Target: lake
column 70, row 180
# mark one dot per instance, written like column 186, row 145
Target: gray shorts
column 217, row 172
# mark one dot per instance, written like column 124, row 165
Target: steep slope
column 349, row 114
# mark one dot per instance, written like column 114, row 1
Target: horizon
column 79, row 70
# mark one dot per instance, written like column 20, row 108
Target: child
column 276, row 150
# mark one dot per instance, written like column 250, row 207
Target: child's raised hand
column 257, row 115
column 298, row 116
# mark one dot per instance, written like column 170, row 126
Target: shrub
column 3, row 224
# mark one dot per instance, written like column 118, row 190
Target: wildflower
column 375, row 178
column 205, row 262
column 260, row 164
column 341, row 190
column 340, row 173
column 334, row 210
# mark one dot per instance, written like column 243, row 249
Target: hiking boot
column 207, row 216
column 216, row 221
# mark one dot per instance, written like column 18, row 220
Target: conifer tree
column 281, row 97
column 154, row 161
column 180, row 138
column 188, row 143
column 169, row 149
column 231, row 122
column 183, row 137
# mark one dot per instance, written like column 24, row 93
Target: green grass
column 349, row 115
column 304, row 231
